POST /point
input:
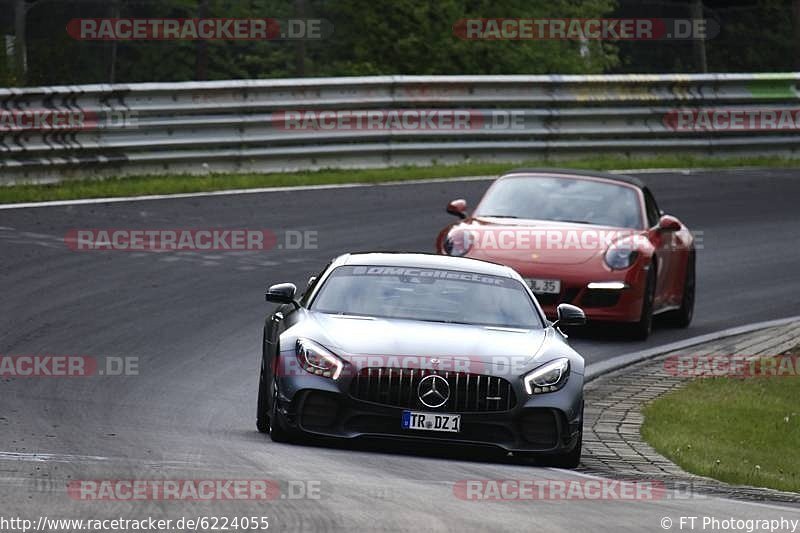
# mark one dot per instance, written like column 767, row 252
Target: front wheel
column 568, row 460
column 277, row 427
column 682, row 317
column 641, row 330
column 262, row 416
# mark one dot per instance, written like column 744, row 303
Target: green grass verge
column 170, row 184
column 741, row 431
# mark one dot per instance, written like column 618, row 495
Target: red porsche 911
column 594, row 240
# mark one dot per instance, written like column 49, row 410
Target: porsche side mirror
column 668, row 223
column 458, row 208
column 283, row 293
column 569, row 315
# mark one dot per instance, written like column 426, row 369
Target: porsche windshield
column 430, row 295
column 563, row 200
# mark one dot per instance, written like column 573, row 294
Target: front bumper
column 600, row 304
column 545, row 423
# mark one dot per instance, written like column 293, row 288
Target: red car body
column 660, row 242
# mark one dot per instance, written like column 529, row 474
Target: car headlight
column 317, row 360
column 458, row 243
column 621, row 257
column 548, row 377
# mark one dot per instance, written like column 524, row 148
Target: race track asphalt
column 194, row 322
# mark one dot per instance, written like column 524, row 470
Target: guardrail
column 54, row 133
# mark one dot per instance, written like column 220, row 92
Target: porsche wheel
column 683, row 316
column 641, row 330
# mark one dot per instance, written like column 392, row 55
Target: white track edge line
column 289, row 188
column 235, row 192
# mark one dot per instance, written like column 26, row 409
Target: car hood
column 352, row 336
column 569, row 243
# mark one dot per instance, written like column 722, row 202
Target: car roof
column 566, row 173
column 423, row 260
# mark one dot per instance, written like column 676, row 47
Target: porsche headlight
column 621, row 257
column 458, row 243
column 548, row 377
column 317, row 360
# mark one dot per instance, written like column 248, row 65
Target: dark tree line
column 383, row 37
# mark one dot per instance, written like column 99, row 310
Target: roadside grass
column 181, row 183
column 741, row 431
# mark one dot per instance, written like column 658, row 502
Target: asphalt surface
column 194, row 321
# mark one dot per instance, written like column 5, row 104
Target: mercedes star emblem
column 433, row 391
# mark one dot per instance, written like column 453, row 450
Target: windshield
column 431, row 295
column 563, row 200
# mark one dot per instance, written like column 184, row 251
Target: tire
column 683, row 316
column 262, row 414
column 277, row 426
column 641, row 330
column 570, row 459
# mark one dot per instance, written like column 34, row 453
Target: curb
column 613, row 444
column 601, row 368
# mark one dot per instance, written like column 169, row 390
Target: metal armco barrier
column 55, row 133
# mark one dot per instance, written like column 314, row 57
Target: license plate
column 431, row 421
column 544, row 286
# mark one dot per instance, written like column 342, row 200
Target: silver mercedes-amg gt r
column 426, row 347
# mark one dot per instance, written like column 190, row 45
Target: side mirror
column 283, row 293
column 669, row 223
column 458, row 208
column 569, row 315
